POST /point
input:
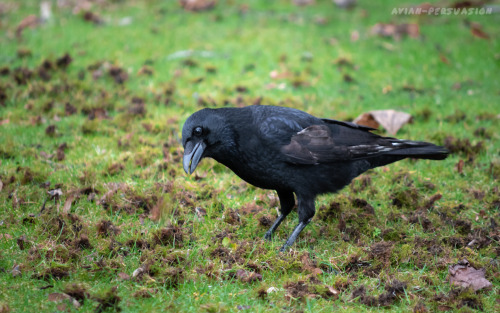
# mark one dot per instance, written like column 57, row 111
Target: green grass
column 446, row 78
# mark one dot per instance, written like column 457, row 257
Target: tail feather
column 420, row 150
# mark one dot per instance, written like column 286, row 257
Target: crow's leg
column 287, row 201
column 306, row 213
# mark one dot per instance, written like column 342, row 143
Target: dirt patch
column 231, row 217
column 421, row 218
column 405, row 197
column 458, row 298
column 106, row 229
column 56, row 272
column 363, row 204
column 170, row 235
column 250, row 209
column 393, row 293
column 297, row 290
column 118, row 74
column 108, row 301
column 266, row 221
column 83, row 242
column 333, row 211
column 77, row 291
column 382, row 251
column 225, row 255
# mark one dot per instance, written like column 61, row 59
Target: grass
column 190, row 235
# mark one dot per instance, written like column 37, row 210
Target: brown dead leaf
column 477, row 31
column 197, row 5
column 303, row 2
column 6, row 236
column 15, row 270
column 396, row 31
column 57, row 297
column 29, row 21
column 67, row 204
column 464, row 275
column 460, row 166
column 316, row 271
column 123, row 276
column 248, row 277
column 155, row 213
column 391, row 120
column 345, row 4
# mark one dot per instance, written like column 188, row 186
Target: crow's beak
column 192, row 155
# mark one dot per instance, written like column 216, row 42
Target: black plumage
column 292, row 152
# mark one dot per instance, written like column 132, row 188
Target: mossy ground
column 94, row 111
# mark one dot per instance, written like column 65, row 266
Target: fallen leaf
column 248, row 277
column 67, row 204
column 55, row 193
column 391, row 120
column 56, row 296
column 6, row 236
column 139, row 271
column 396, row 31
column 155, row 213
column 444, row 308
column 29, row 21
column 477, row 31
column 197, row 5
column 464, row 275
column 15, row 270
column 345, row 4
column 354, row 35
column 460, row 166
column 303, row 2
column 123, row 276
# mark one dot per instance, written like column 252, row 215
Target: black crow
column 292, row 152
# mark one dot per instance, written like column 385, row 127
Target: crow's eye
column 198, row 131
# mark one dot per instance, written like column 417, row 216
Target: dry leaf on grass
column 396, row 31
column 31, row 21
column 464, row 275
column 477, row 31
column 303, row 2
column 345, row 4
column 197, row 5
column 391, row 120
column 57, row 297
column 248, row 277
column 68, row 203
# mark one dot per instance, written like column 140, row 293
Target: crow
column 292, row 152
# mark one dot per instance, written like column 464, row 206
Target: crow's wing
column 318, row 144
column 277, row 125
column 348, row 124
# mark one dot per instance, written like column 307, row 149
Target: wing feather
column 316, row 144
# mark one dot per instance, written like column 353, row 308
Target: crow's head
column 204, row 134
